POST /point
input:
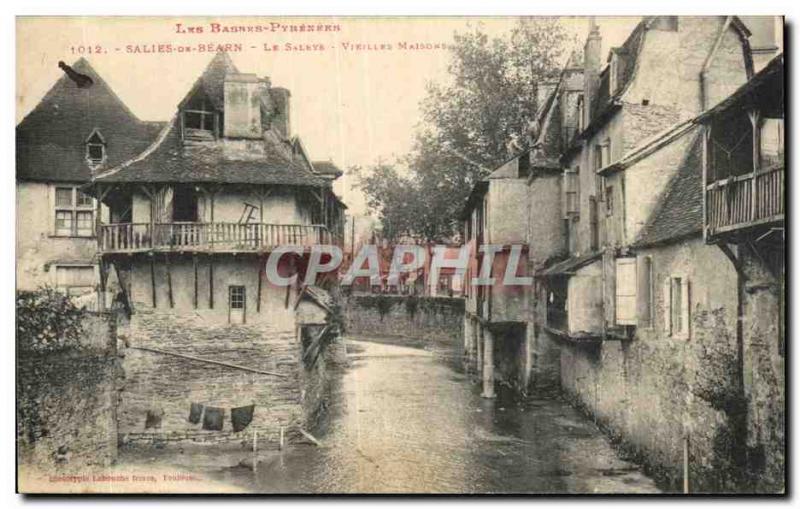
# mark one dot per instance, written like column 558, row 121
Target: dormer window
column 199, row 120
column 95, row 148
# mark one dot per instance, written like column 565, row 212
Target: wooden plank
column 261, row 263
column 210, row 282
column 209, row 361
column 153, row 279
column 194, row 266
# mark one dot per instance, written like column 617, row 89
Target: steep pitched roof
column 270, row 160
column 680, row 212
column 212, row 81
column 51, row 138
column 171, row 160
column 627, row 59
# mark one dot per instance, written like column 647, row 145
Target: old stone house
column 744, row 216
column 74, row 132
column 193, row 219
column 498, row 334
column 645, row 311
column 634, row 312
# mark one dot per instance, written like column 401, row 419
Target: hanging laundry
column 195, row 411
column 241, row 417
column 153, row 419
column 213, row 418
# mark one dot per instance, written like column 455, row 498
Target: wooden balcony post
column 706, row 141
column 755, row 116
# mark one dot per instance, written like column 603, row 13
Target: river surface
column 409, row 420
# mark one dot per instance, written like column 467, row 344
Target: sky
column 351, row 104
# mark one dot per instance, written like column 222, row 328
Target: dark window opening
column 95, row 148
column 730, row 149
column 200, row 120
column 184, row 205
column 557, row 303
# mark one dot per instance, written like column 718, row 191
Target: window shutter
column 685, row 306
column 644, row 289
column 667, row 291
column 51, row 198
column 625, row 291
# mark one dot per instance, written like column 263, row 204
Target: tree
column 467, row 124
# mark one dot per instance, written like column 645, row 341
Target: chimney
column 591, row 68
column 243, row 106
column 282, row 119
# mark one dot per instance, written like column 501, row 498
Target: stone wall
column 166, row 385
column 435, row 319
column 764, row 365
column 654, row 391
column 66, row 402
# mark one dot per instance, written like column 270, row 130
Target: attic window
column 199, row 120
column 95, row 148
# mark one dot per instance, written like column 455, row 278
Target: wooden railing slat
column 213, row 236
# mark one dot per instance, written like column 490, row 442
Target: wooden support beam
column 153, row 279
column 755, row 121
column 261, row 262
column 194, row 266
column 706, row 148
column 210, row 282
column 169, row 280
column 103, row 266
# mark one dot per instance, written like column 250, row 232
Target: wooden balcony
column 745, row 201
column 209, row 237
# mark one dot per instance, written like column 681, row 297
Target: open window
column 95, row 148
column 199, row 120
column 184, row 204
column 730, row 147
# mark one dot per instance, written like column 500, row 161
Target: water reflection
column 403, row 420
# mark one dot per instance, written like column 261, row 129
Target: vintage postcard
column 400, row 255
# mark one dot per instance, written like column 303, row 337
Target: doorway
column 184, row 204
column 237, row 304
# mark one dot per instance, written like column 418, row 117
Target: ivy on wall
column 47, row 321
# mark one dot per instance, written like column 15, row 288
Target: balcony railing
column 210, row 237
column 743, row 201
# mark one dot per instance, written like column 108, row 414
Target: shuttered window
column 625, row 291
column 571, row 193
column 677, row 297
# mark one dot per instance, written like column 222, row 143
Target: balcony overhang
column 132, row 238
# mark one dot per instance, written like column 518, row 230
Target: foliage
column 489, row 100
column 47, row 321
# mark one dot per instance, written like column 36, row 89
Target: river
column 407, row 420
